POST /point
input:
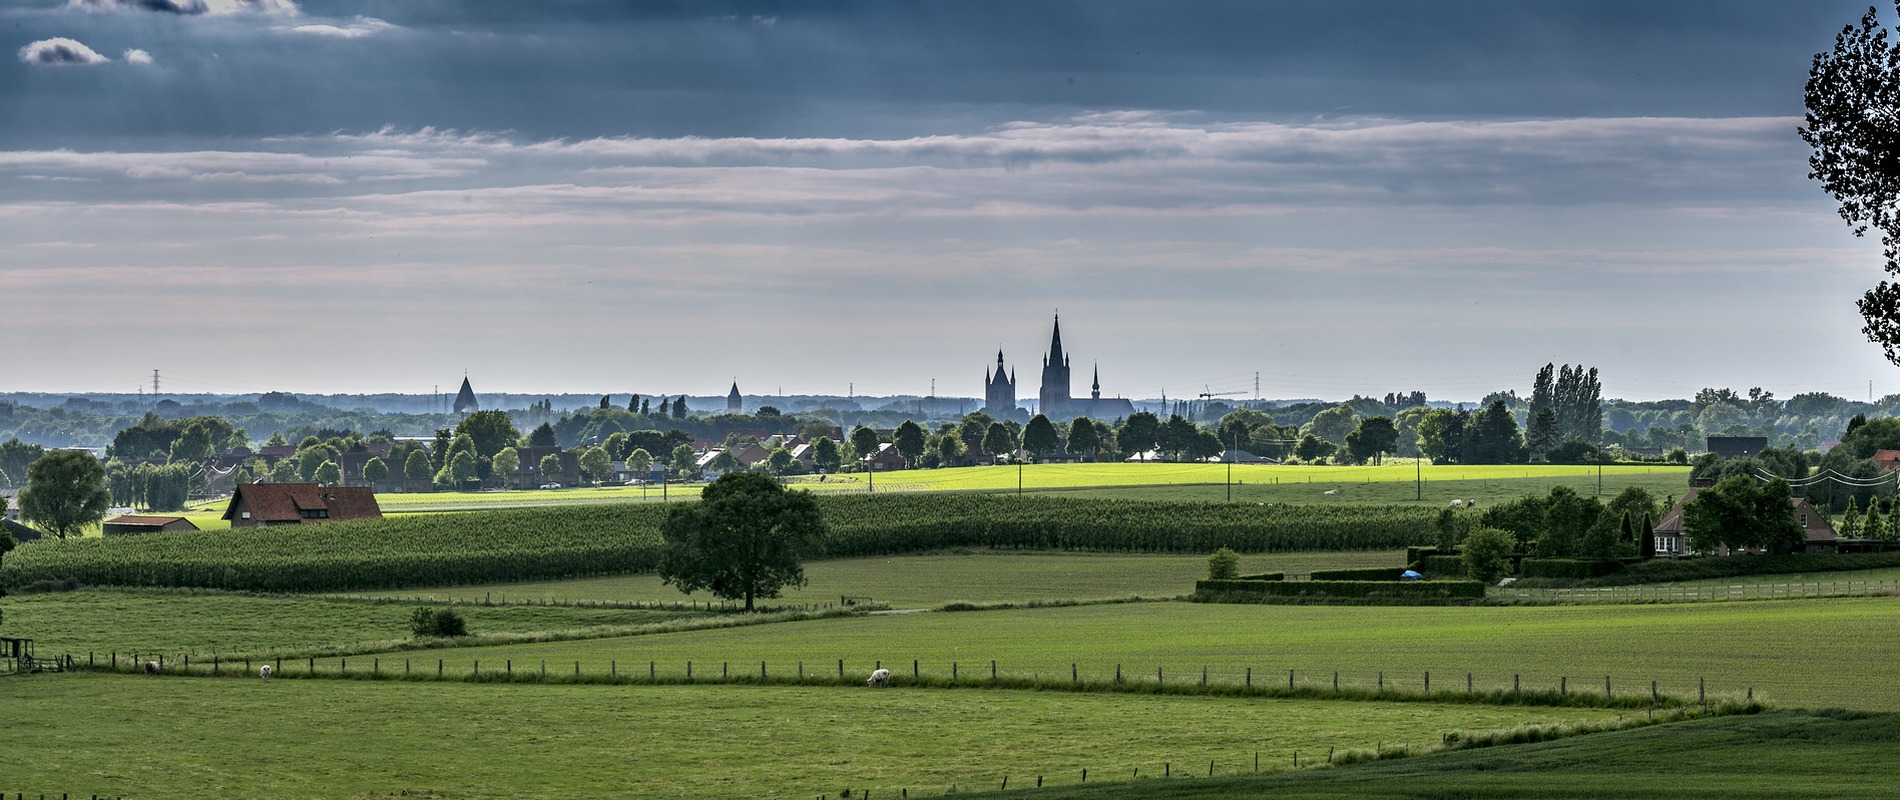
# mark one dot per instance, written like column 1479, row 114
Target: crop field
column 539, row 544
column 929, row 581
column 1813, row 653
column 127, row 621
column 173, row 737
column 1393, row 482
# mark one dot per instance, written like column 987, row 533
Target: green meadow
column 167, row 737
column 928, row 581
column 1814, row 653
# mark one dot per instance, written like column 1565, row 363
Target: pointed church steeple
column 1095, row 391
column 465, row 399
column 734, row 403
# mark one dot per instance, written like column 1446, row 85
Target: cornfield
column 577, row 541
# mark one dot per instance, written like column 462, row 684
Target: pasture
column 929, row 581
column 1765, row 756
column 1813, row 653
column 208, row 623
column 186, row 738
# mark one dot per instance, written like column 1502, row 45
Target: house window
column 1804, row 519
column 314, row 513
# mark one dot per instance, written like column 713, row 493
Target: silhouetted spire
column 465, row 399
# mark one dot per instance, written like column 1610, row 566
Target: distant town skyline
column 1357, row 197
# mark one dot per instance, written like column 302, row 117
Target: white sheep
column 264, row 672
column 151, row 668
column 1330, row 492
column 881, row 677
column 1457, row 504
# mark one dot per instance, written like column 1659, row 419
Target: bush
column 1223, row 565
column 1238, row 591
column 431, row 622
column 1567, row 567
column 1373, row 574
column 1487, row 553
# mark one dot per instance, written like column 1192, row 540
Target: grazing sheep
column 1330, row 492
column 264, row 672
column 1471, row 504
column 151, row 668
column 1457, row 504
column 881, row 677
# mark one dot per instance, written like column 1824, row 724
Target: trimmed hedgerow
column 1368, row 574
column 1567, row 567
column 1237, row 591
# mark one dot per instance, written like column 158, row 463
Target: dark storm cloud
column 571, row 69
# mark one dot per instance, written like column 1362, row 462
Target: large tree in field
column 507, row 463
column 1084, row 438
column 374, row 471
column 909, row 441
column 597, row 464
column 490, row 430
column 1374, row 437
column 1039, row 436
column 1853, row 124
column 864, row 442
column 824, row 454
column 744, row 540
column 996, row 440
column 65, row 492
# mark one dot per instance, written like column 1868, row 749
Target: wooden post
column 1514, row 685
column 992, row 670
column 841, row 669
column 1428, row 682
column 1250, row 677
column 1289, row 680
column 1075, row 676
column 1467, row 684
column 1563, row 686
column 914, row 671
column 1606, row 687
column 1203, row 676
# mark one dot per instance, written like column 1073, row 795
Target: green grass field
column 1767, row 756
column 135, row 736
column 127, row 621
column 929, row 581
column 1801, row 653
column 1391, row 483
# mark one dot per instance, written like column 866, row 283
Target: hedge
column 1264, row 576
column 1416, row 552
column 1666, row 570
column 1441, row 565
column 1567, row 567
column 1374, row 574
column 1317, row 589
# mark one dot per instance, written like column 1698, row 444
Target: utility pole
column 1418, row 477
column 155, row 386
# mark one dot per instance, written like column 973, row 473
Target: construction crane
column 1205, row 396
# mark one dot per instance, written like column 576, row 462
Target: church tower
column 1054, row 397
column 734, row 403
column 465, row 400
column 999, row 390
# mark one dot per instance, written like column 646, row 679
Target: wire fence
column 1604, row 691
column 1701, row 593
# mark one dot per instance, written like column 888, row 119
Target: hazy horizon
column 365, row 196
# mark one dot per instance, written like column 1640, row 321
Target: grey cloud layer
column 60, row 52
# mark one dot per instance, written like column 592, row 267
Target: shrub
column 1223, row 565
column 432, row 622
column 1238, row 591
column 1487, row 553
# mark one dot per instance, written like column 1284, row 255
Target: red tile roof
column 139, row 519
column 285, row 502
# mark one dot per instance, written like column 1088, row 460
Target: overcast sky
column 1344, row 197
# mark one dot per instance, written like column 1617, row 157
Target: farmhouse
column 1887, row 460
column 886, row 459
column 134, row 524
column 260, row 504
column 1672, row 540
